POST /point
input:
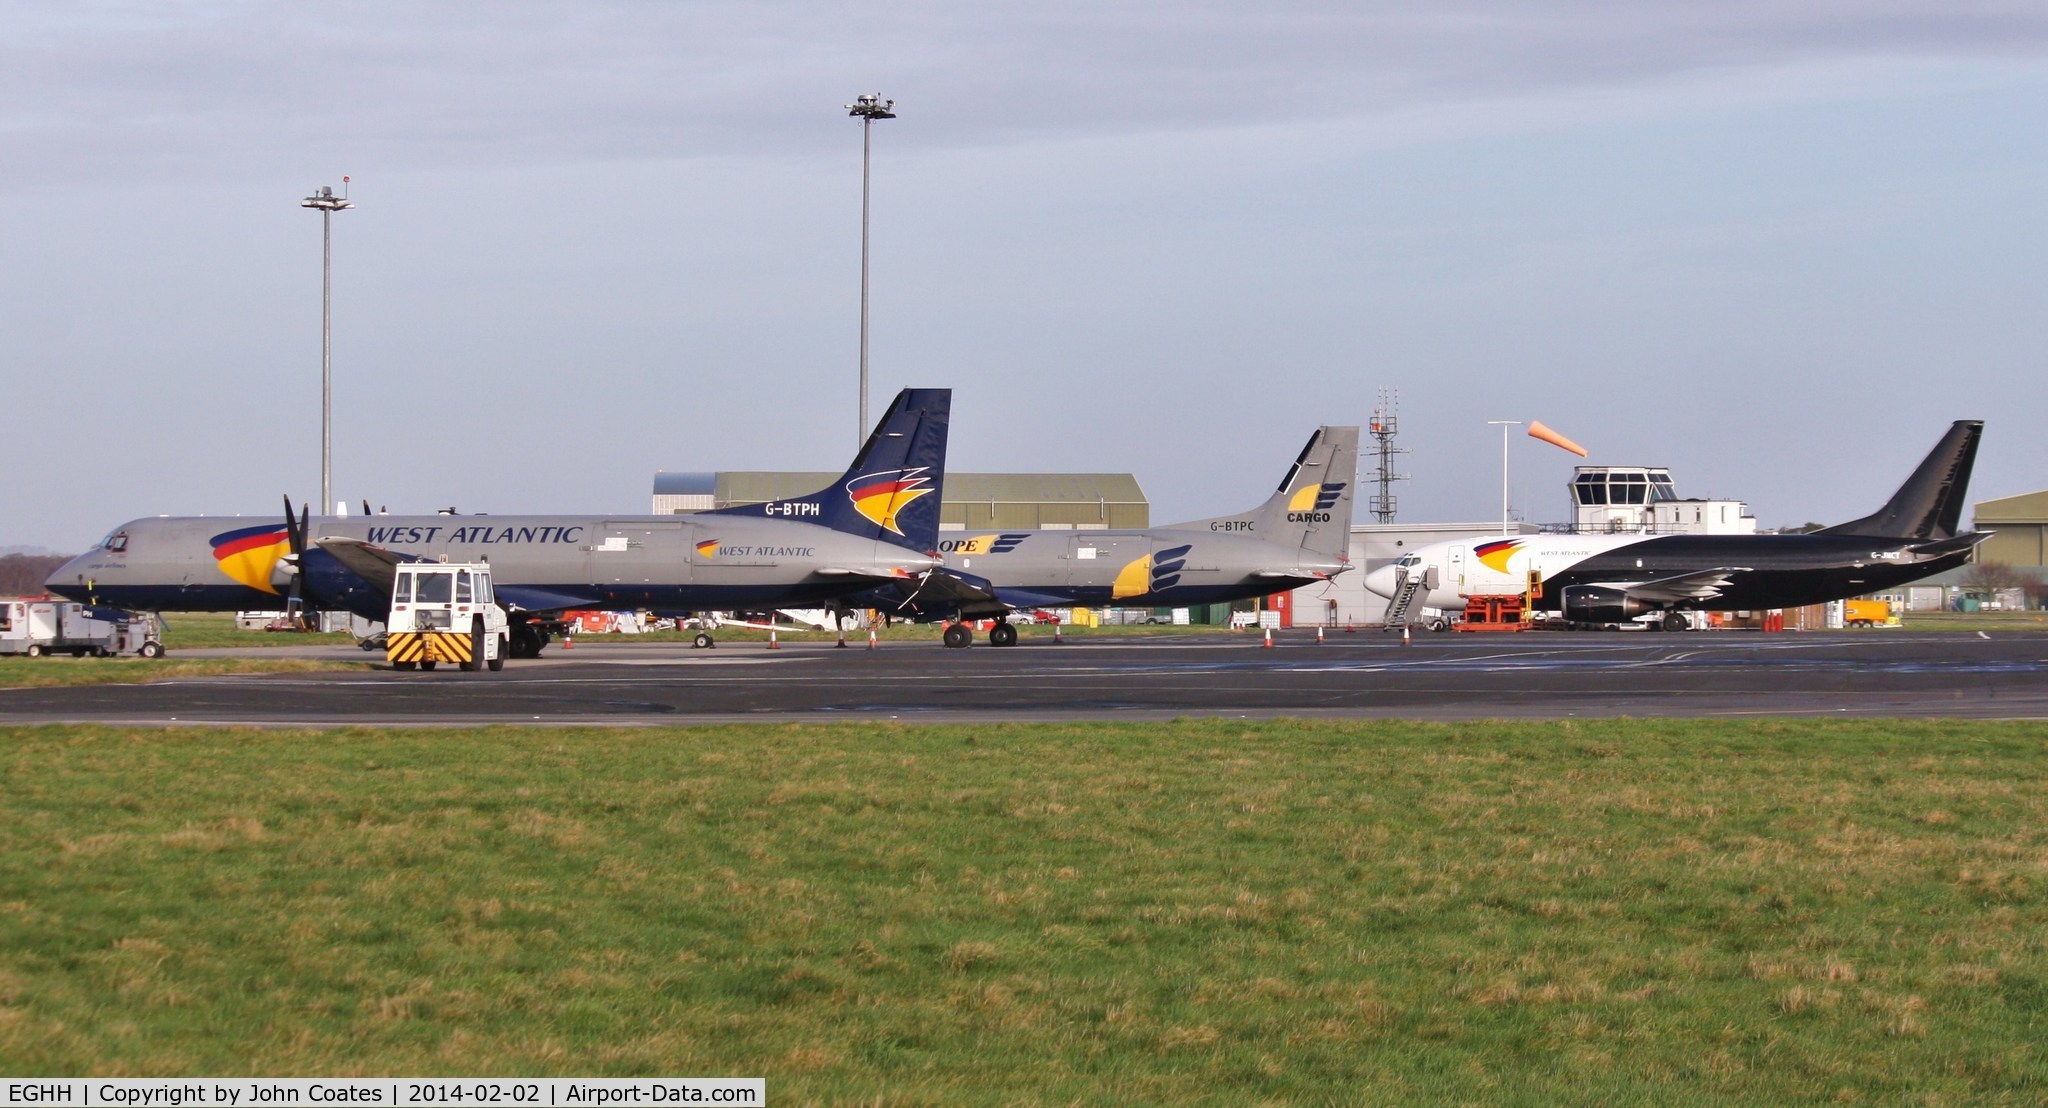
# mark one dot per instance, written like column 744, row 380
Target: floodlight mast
column 1504, row 425
column 866, row 107
column 326, row 203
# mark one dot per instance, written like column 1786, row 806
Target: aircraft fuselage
column 660, row 563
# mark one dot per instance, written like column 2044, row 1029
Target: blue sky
column 1774, row 247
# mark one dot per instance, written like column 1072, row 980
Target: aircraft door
column 1457, row 569
column 1116, row 563
column 649, row 553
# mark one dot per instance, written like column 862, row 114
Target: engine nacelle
column 1595, row 604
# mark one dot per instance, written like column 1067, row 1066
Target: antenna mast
column 1386, row 423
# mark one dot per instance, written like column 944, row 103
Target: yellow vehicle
column 1866, row 613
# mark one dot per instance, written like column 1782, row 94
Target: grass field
column 1572, row 912
column 17, row 672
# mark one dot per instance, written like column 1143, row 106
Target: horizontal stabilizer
column 1955, row 545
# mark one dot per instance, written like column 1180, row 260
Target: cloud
column 119, row 92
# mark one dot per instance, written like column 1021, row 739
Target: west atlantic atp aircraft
column 1301, row 535
column 878, row 522
column 1597, row 579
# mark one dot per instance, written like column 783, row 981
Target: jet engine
column 1598, row 604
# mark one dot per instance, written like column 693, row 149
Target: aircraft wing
column 1702, row 584
column 379, row 567
column 941, row 594
column 862, row 571
column 527, row 598
column 374, row 564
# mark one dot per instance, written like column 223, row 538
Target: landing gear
column 703, row 641
column 527, row 640
column 1676, row 621
column 1002, row 634
column 958, row 636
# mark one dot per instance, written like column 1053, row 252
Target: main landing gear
column 527, row 640
column 959, row 636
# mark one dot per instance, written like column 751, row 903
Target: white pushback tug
column 445, row 612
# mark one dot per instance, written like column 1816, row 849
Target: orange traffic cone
column 772, row 644
column 1405, row 641
column 1319, row 634
column 871, row 638
column 568, row 642
column 1268, row 644
column 842, row 636
column 1056, row 640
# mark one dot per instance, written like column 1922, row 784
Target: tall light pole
column 327, row 203
column 1504, row 425
column 867, row 107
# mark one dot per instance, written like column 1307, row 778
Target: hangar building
column 970, row 501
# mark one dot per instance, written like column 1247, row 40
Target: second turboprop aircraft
column 1300, row 535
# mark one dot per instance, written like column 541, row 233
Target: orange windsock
column 1538, row 431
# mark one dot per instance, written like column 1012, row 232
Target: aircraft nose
column 1380, row 582
column 68, row 580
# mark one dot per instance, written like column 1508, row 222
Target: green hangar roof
column 972, row 501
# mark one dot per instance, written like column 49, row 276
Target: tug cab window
column 433, row 588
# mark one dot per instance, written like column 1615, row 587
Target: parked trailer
column 39, row 625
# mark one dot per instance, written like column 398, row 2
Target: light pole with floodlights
column 327, row 204
column 1504, row 425
column 867, row 107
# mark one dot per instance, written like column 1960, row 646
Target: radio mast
column 1386, row 422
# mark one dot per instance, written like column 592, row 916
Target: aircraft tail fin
column 1930, row 504
column 1312, row 504
column 891, row 491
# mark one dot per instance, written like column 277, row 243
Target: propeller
column 295, row 538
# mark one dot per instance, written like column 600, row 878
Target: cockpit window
column 1410, row 560
column 115, row 543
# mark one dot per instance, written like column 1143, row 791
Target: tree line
column 24, row 574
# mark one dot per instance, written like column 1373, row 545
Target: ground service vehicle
column 445, row 612
column 39, row 625
column 1866, row 613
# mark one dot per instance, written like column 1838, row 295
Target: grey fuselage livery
column 543, row 563
column 1300, row 535
column 877, row 523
